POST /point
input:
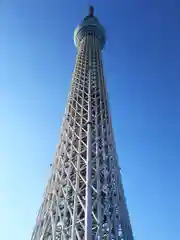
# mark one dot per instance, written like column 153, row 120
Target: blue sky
column 141, row 61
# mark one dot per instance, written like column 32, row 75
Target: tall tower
column 84, row 198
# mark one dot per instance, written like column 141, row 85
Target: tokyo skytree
column 84, row 197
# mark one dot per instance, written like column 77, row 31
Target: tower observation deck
column 84, row 197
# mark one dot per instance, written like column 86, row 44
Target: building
column 84, row 198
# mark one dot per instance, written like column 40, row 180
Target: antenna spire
column 91, row 11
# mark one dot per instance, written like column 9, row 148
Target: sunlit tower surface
column 84, row 198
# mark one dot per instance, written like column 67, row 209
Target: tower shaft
column 84, row 198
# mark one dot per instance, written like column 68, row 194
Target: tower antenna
column 91, row 11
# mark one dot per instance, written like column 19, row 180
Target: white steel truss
column 84, row 198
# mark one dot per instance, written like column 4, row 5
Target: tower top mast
column 90, row 24
column 91, row 11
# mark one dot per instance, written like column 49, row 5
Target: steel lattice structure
column 84, row 198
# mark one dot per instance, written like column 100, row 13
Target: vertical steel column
column 88, row 207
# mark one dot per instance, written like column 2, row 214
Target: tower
column 84, row 198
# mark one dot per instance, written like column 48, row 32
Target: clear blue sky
column 141, row 59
